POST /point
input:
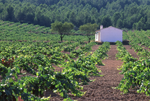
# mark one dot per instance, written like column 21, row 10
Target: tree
column 140, row 25
column 10, row 11
column 119, row 23
column 134, row 26
column 78, row 12
column 106, row 21
column 3, row 1
column 88, row 29
column 62, row 28
column 148, row 20
column 72, row 17
column 115, row 17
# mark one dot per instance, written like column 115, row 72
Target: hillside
column 10, row 31
column 131, row 14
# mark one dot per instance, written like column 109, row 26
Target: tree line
column 130, row 14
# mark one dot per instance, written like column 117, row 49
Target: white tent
column 109, row 34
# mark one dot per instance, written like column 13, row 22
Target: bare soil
column 95, row 47
column 131, row 51
column 145, row 48
column 77, row 47
column 57, row 68
column 65, row 52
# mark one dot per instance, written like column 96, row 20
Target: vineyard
column 34, row 62
column 10, row 31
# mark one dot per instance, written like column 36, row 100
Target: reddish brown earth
column 145, row 48
column 101, row 88
column 57, row 68
column 95, row 47
column 131, row 51
column 77, row 47
column 65, row 52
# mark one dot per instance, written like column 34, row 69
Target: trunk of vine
column 61, row 37
column 89, row 40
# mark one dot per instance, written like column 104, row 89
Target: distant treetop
column 130, row 14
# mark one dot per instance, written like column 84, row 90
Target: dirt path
column 131, row 51
column 145, row 48
column 95, row 47
column 100, row 89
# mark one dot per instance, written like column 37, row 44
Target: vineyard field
column 36, row 66
column 10, row 31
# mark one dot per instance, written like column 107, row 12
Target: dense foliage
column 36, row 59
column 62, row 28
column 136, row 71
column 118, row 13
column 88, row 29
